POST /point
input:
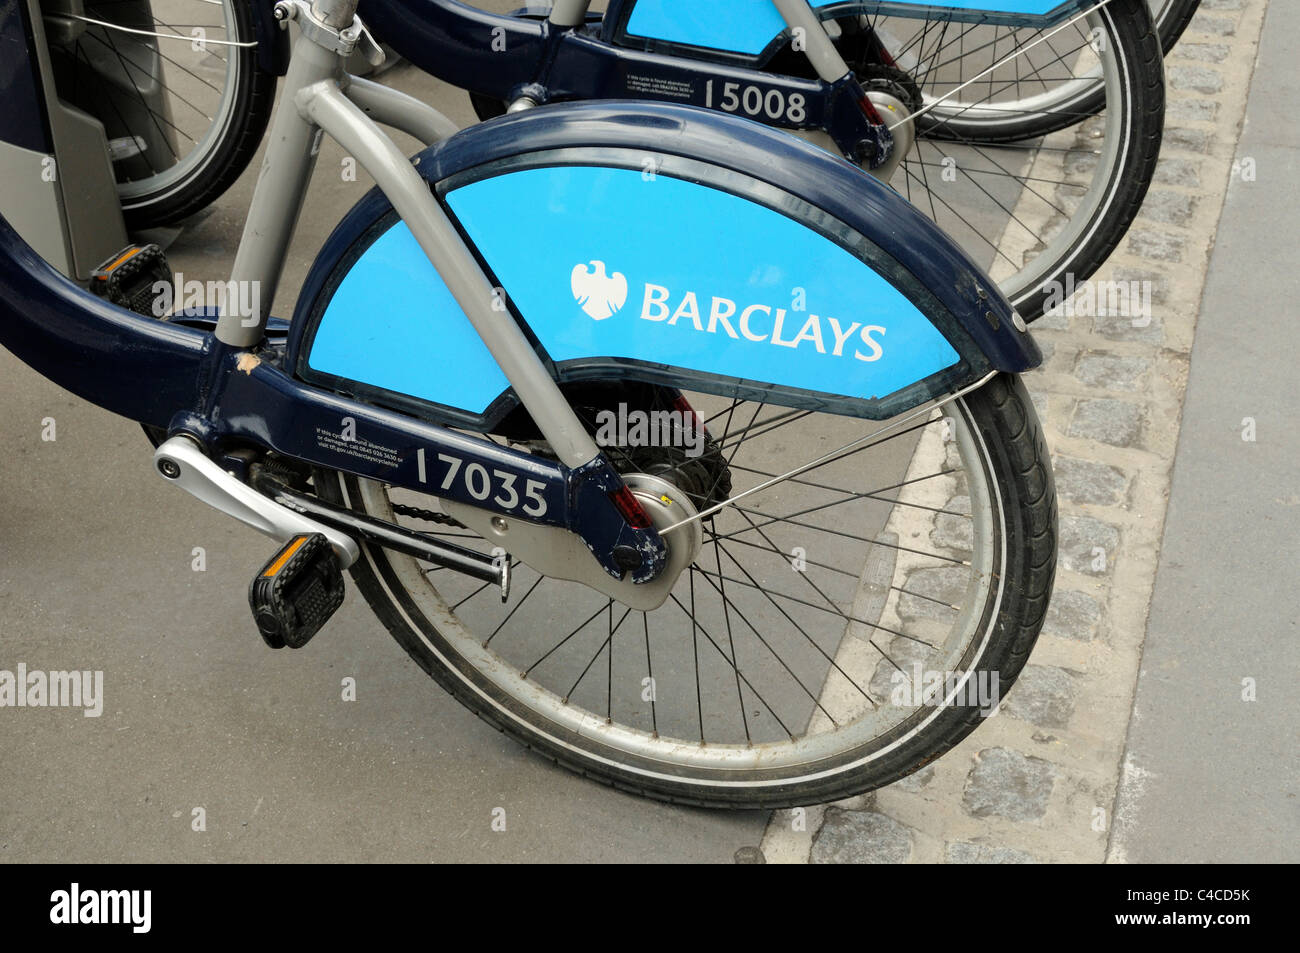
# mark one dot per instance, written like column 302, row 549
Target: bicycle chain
column 429, row 516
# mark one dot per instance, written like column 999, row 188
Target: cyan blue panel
column 748, row 26
column 392, row 323
column 739, row 26
column 606, row 262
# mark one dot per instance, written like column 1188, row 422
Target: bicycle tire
column 1007, row 425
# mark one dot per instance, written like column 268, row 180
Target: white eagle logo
column 600, row 295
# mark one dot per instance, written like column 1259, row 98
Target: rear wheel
column 785, row 667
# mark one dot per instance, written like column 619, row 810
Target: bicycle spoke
column 749, row 625
column 695, row 647
column 650, row 674
column 842, row 533
column 739, row 674
column 510, row 615
column 812, row 605
column 754, row 583
column 551, row 651
column 608, row 643
column 726, row 615
column 861, row 496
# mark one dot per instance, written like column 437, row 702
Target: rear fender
column 650, row 242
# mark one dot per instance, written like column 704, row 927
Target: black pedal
column 297, row 591
column 127, row 279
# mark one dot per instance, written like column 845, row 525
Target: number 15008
column 753, row 100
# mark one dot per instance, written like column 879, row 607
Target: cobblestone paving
column 1037, row 782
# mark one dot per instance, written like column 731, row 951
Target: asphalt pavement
column 1211, row 772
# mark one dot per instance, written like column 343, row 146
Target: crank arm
column 182, row 462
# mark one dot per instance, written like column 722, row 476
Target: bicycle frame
column 228, row 390
column 564, row 53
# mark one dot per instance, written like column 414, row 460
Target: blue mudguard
column 680, row 246
column 750, row 27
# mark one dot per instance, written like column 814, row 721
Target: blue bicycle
column 684, row 452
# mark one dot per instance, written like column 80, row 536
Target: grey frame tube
column 313, row 103
column 819, row 49
column 398, row 110
column 279, row 195
column 569, row 12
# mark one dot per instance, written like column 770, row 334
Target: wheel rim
column 839, row 729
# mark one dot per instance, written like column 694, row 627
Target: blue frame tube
column 497, row 55
column 128, row 364
column 456, row 43
column 182, row 379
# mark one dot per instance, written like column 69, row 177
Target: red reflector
column 869, row 110
column 630, row 508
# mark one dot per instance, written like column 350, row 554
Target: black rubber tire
column 231, row 151
column 1018, row 461
column 1173, row 21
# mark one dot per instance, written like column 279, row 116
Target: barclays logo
column 602, row 295
column 599, row 294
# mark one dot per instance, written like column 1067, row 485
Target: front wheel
column 835, row 632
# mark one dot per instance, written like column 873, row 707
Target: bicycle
column 1008, row 171
column 570, row 259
